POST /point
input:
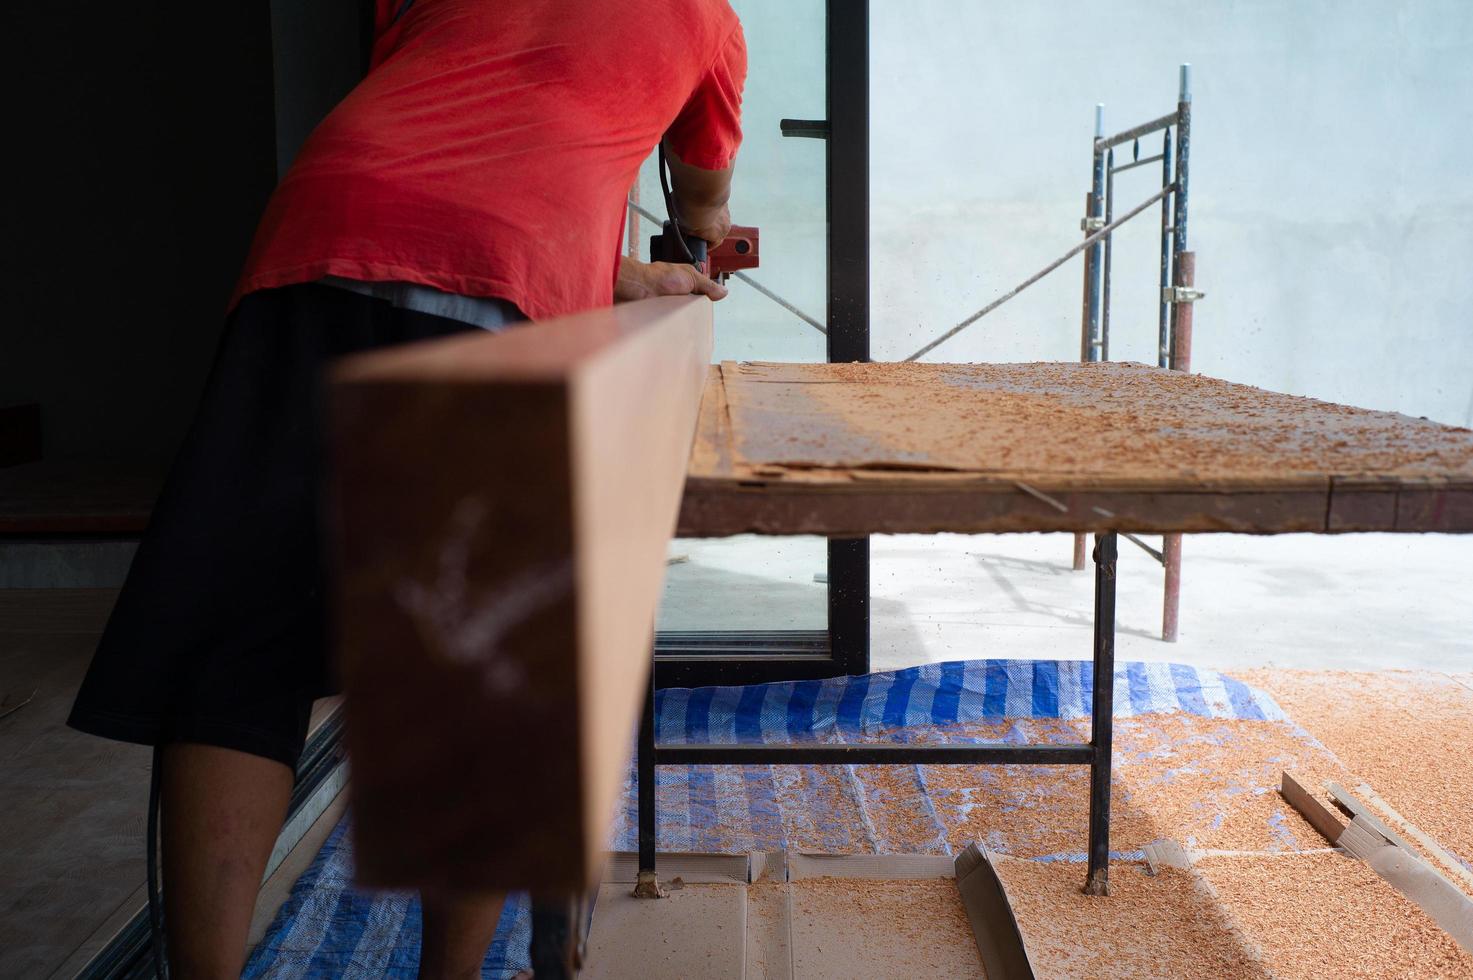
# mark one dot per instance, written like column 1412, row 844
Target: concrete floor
column 72, row 829
column 1364, row 602
column 72, row 866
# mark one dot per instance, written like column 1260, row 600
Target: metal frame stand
column 1176, row 281
column 1096, row 753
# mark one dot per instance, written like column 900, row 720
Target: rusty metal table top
column 849, row 449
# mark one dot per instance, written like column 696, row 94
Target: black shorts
column 218, row 635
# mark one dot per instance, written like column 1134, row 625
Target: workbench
column 855, row 449
column 899, row 448
column 504, row 505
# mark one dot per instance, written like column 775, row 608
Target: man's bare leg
column 221, row 813
column 458, row 930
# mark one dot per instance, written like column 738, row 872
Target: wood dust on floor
column 1158, row 927
column 855, row 927
column 1328, row 915
column 1288, row 916
column 1265, row 895
column 1274, row 900
column 1408, row 735
column 1204, row 782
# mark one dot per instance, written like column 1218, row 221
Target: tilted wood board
column 501, row 510
column 896, row 447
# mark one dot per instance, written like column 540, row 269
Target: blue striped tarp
column 328, row 928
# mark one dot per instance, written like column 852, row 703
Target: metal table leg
column 648, row 884
column 1102, row 711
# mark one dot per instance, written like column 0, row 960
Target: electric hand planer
column 738, row 251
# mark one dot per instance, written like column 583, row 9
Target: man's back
column 490, row 147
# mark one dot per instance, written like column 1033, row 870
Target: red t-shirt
column 490, row 149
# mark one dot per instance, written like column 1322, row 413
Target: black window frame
column 697, row 658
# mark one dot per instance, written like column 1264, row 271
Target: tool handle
column 665, row 247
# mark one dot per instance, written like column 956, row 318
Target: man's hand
column 712, row 224
column 641, row 280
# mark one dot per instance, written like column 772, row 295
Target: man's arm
column 701, row 197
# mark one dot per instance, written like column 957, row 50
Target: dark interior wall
column 320, row 55
column 147, row 147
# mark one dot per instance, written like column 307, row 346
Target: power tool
column 738, row 251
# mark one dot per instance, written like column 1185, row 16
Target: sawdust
column 1408, row 735
column 1208, row 783
column 1318, row 915
column 824, row 796
column 1159, row 926
column 884, row 928
column 894, row 799
column 1094, row 422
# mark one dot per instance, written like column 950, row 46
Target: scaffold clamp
column 1180, row 294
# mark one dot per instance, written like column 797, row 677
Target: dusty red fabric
column 491, row 146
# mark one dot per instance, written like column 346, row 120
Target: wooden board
column 845, row 449
column 502, row 508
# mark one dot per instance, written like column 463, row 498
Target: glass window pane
column 755, row 583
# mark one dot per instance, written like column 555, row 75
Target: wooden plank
column 873, row 448
column 1360, row 504
column 1450, row 907
column 502, row 508
column 1355, row 808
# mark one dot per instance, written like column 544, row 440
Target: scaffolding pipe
column 1135, row 132
column 1184, row 274
column 1163, row 328
column 1091, row 240
column 1097, row 249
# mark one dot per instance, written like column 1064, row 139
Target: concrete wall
column 1331, row 212
column 1331, row 208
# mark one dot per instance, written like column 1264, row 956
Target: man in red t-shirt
column 477, row 177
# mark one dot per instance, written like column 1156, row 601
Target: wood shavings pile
column 1160, row 927
column 1278, row 905
column 1207, row 783
column 1104, row 421
column 891, row 928
column 1409, row 735
column 1319, row 915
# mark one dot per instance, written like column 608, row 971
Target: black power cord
column 670, row 208
column 155, row 905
